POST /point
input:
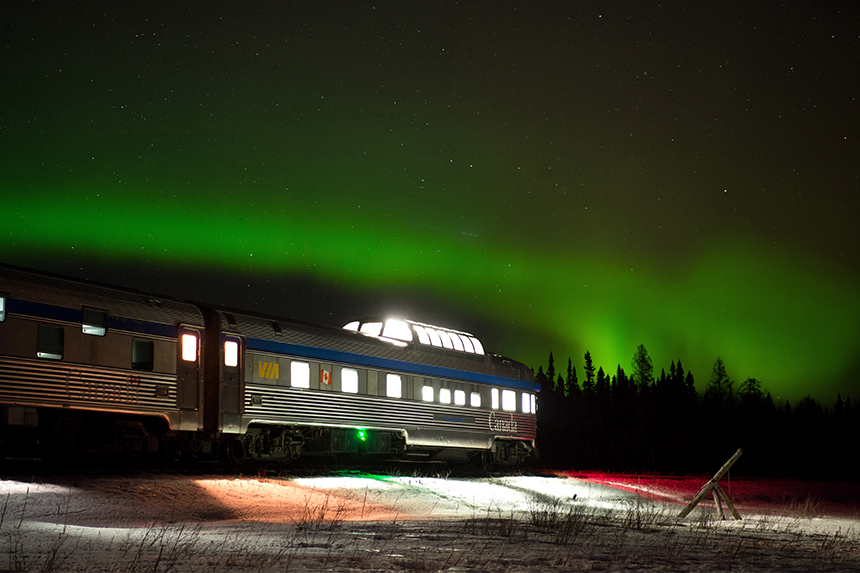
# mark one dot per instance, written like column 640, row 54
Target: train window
column 231, row 353
column 423, row 337
column 371, row 328
column 427, row 393
column 142, row 355
column 276, row 328
column 2, row 307
column 446, row 340
column 444, row 395
column 393, row 386
column 300, row 374
column 455, row 340
column 459, row 397
column 467, row 344
column 475, row 400
column 353, row 326
column 479, row 349
column 526, row 403
column 94, row 322
column 534, row 404
column 349, row 380
column 494, row 398
column 398, row 330
column 189, row 347
column 509, row 400
column 435, row 340
column 49, row 342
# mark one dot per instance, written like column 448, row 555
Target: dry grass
column 807, row 508
column 552, row 535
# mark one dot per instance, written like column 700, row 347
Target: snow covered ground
column 364, row 522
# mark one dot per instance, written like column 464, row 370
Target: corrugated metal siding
column 307, row 407
column 31, row 382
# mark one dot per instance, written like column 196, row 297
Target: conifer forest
column 642, row 422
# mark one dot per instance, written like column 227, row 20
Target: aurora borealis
column 557, row 177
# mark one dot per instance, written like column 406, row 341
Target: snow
column 162, row 522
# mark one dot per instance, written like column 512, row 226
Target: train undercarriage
column 58, row 434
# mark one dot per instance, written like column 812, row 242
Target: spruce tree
column 720, row 385
column 690, row 386
column 601, row 384
column 550, row 373
column 540, row 377
column 588, row 383
column 571, row 384
column 643, row 368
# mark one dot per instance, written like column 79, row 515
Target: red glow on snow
column 761, row 494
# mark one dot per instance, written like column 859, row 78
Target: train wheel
column 237, row 452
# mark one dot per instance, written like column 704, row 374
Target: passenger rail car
column 91, row 368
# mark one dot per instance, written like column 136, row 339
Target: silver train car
column 89, row 368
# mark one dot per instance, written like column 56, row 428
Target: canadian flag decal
column 325, row 376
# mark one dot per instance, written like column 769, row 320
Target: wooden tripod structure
column 714, row 487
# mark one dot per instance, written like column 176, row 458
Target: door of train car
column 188, row 375
column 223, row 380
column 231, row 383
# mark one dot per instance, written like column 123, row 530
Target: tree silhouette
column 643, row 368
column 634, row 423
column 588, row 383
column 719, row 387
column 571, row 384
column 750, row 392
column 550, row 372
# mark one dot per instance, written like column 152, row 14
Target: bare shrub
column 642, row 517
column 807, row 508
column 324, row 515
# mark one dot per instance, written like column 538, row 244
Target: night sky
column 548, row 176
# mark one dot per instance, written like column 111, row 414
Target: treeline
column 646, row 423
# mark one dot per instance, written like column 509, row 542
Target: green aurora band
column 787, row 319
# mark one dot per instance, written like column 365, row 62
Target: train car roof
column 276, row 334
column 29, row 287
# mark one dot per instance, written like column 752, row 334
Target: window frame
column 445, row 395
column 509, row 400
column 303, row 367
column 393, row 385
column 141, row 365
column 49, row 339
column 92, row 327
column 350, row 370
column 187, row 347
column 234, row 342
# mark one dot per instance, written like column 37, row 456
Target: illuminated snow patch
column 567, row 490
column 14, row 487
column 481, row 494
column 342, row 482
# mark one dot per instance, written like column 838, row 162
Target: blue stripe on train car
column 329, row 355
column 75, row 315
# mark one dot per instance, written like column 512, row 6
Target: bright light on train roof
column 400, row 332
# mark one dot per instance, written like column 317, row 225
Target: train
column 94, row 369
